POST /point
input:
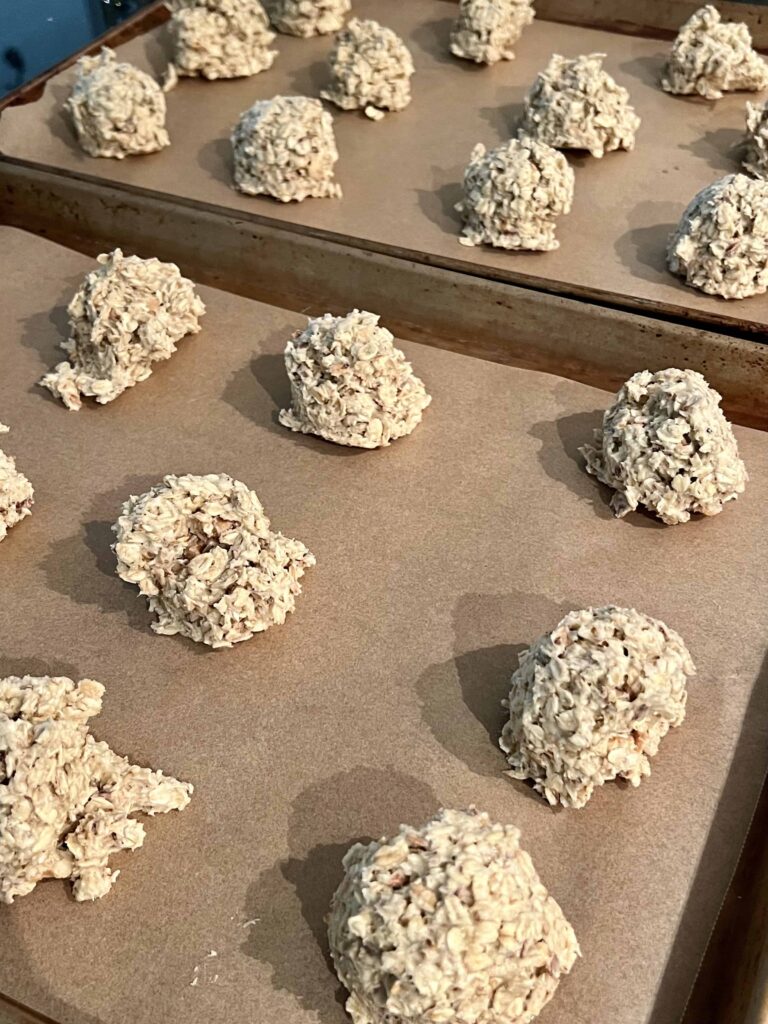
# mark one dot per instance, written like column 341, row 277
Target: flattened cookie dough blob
column 117, row 110
column 371, row 69
column 126, row 315
column 711, row 56
column 513, row 195
column 66, row 800
column 447, row 922
column 221, row 38
column 756, row 149
column 349, row 384
column 720, row 245
column 308, row 17
column 201, row 550
column 285, row 148
column 666, row 446
column 575, row 104
column 486, row 30
column 16, row 493
column 592, row 700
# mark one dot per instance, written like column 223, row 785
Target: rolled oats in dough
column 711, row 56
column 720, row 245
column 371, row 69
column 285, row 148
column 117, row 110
column 592, row 700
column 349, row 384
column 575, row 104
column 487, row 30
column 200, row 548
column 513, row 195
column 66, row 800
column 756, row 149
column 308, row 17
column 447, row 923
column 16, row 493
column 665, row 445
column 126, row 315
column 221, row 38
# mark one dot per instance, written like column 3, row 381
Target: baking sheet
column 378, row 701
column 401, row 177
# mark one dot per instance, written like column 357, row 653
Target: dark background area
column 35, row 34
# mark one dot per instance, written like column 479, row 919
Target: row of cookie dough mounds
column 16, row 492
column 66, row 800
column 447, row 922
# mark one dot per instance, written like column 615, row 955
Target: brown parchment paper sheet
column 401, row 177
column 378, row 701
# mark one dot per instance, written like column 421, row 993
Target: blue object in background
column 36, row 34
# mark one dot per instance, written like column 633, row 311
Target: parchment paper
column 378, row 701
column 401, row 177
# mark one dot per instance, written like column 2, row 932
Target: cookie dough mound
column 66, row 800
column 126, row 315
column 200, row 548
column 665, row 445
column 221, row 38
column 349, row 384
column 117, row 110
column 371, row 69
column 309, row 17
column 285, row 148
column 487, row 30
column 447, row 922
column 514, row 194
column 756, row 149
column 710, row 57
column 16, row 493
column 720, row 245
column 574, row 104
column 592, row 700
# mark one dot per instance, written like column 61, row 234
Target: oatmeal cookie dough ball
column 487, row 30
column 117, row 110
column 720, row 245
column 126, row 315
column 349, row 384
column 710, row 57
column 16, row 493
column 574, row 104
column 308, row 17
column 371, row 69
column 513, row 195
column 66, row 800
column 665, row 445
column 447, row 922
column 200, row 548
column 756, row 149
column 592, row 700
column 221, row 38
column 285, row 148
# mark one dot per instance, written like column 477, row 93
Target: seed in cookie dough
column 126, row 315
column 117, row 109
column 67, row 800
column 371, row 69
column 308, row 17
column 592, row 700
column 285, row 148
column 711, row 56
column 666, row 446
column 513, row 195
column 720, row 245
column 349, row 384
column 16, row 493
column 447, row 922
column 575, row 104
column 487, row 30
column 201, row 550
column 221, row 38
